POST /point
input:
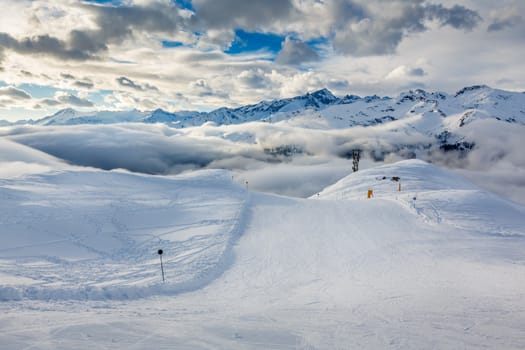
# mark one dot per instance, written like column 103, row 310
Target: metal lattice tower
column 356, row 155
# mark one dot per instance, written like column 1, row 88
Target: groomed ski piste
column 430, row 261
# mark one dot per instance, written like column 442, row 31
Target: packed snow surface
column 430, row 261
column 95, row 235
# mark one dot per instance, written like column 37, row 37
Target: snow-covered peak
column 421, row 95
column 469, row 89
column 467, row 105
column 70, row 116
column 323, row 96
column 347, row 99
column 63, row 116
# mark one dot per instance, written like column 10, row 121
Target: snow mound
column 17, row 160
column 89, row 234
column 337, row 270
column 437, row 195
column 81, row 234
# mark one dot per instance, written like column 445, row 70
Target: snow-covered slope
column 94, row 234
column 17, row 160
column 337, row 270
column 70, row 116
column 436, row 195
column 78, row 234
column 15, row 152
column 259, row 271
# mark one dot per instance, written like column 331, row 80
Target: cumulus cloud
column 83, row 84
column 49, row 102
column 67, row 76
column 254, row 78
column 250, row 15
column 404, row 71
column 122, row 100
column 72, row 100
column 114, row 25
column 126, row 82
column 338, row 85
column 202, row 88
column 295, row 52
column 458, row 17
column 78, row 83
column 62, row 98
column 14, row 93
column 367, row 38
column 123, row 81
column 504, row 23
column 358, row 27
column 42, row 45
column 116, row 48
column 379, row 28
column 216, row 38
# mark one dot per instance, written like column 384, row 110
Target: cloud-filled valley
column 300, row 145
column 275, row 157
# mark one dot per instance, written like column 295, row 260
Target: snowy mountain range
column 470, row 103
column 434, row 114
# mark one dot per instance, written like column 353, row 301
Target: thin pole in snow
column 161, row 265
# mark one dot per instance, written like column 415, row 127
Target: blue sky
column 250, row 41
column 205, row 54
column 244, row 42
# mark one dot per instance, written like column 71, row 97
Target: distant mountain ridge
column 477, row 97
column 435, row 114
column 257, row 112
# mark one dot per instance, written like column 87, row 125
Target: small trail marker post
column 160, row 251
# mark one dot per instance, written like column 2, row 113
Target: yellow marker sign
column 370, row 193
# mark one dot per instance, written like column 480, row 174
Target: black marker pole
column 161, row 266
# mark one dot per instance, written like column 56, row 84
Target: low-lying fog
column 272, row 157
